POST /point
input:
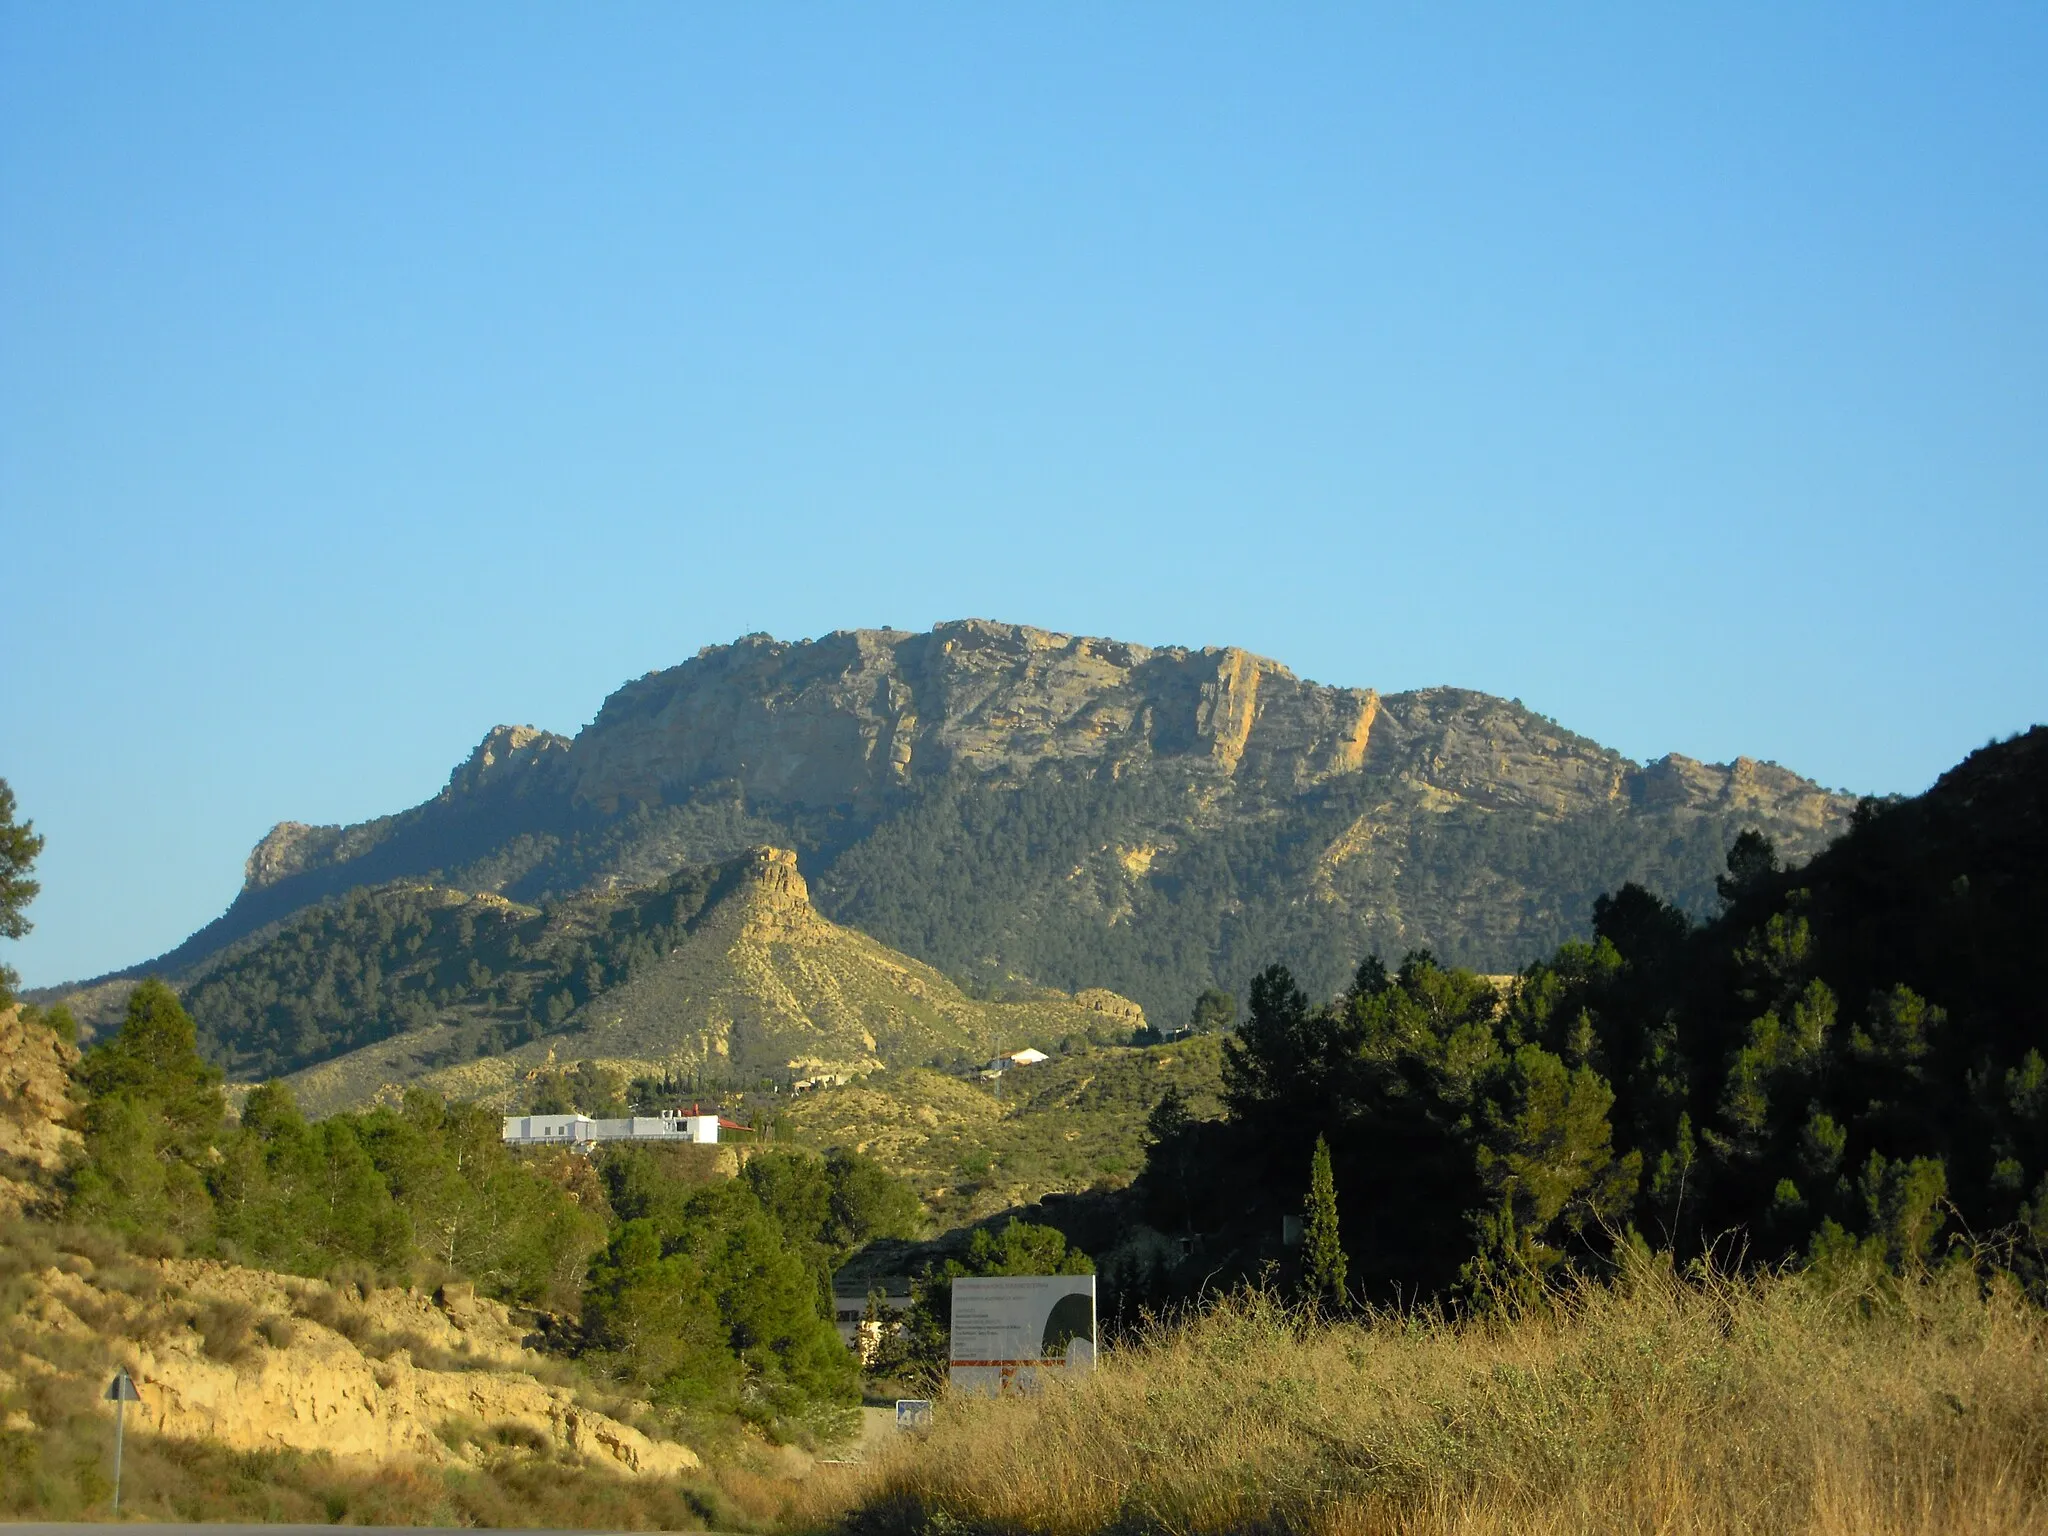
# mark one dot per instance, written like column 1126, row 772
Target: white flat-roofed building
column 573, row 1130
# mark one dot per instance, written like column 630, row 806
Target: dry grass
column 65, row 1477
column 1655, row 1406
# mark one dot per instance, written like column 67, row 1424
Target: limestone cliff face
column 837, row 720
column 511, row 763
column 287, row 849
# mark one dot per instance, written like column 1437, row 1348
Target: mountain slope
column 758, row 986
column 1076, row 1121
column 1017, row 805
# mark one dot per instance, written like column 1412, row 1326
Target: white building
column 849, row 1315
column 574, row 1130
column 1030, row 1056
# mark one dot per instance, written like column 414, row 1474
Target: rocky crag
column 1015, row 805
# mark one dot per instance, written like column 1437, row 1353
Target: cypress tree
column 1322, row 1255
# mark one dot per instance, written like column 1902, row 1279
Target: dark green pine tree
column 19, row 846
column 1322, row 1254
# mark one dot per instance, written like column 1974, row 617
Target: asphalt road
column 58, row 1528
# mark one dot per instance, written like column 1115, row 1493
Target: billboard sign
column 1009, row 1328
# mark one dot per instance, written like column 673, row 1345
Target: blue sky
column 370, row 375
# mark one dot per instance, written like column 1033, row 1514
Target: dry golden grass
column 1770, row 1405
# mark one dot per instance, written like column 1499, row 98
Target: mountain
column 1015, row 807
column 752, row 985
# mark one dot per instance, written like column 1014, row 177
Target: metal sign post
column 121, row 1392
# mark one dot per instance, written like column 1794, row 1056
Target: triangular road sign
column 122, row 1388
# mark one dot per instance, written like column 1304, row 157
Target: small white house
column 1028, row 1057
column 575, row 1130
column 850, row 1310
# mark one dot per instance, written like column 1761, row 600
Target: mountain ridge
column 1166, row 791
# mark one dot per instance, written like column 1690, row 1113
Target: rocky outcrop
column 845, row 720
column 516, row 759
column 1763, row 789
column 287, row 849
column 511, row 762
column 35, row 1102
column 258, row 1361
column 773, row 904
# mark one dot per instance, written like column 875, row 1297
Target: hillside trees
column 1847, row 1056
column 19, row 847
column 153, row 1111
column 1214, row 1012
column 299, row 1197
column 707, row 1305
column 826, row 1207
column 383, row 960
column 944, row 877
column 428, row 1184
column 1442, row 1121
column 1846, row 1063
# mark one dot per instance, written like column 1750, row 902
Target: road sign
column 120, row 1392
column 913, row 1413
column 1008, row 1329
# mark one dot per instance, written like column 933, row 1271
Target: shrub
column 225, row 1330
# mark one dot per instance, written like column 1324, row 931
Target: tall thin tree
column 1322, row 1254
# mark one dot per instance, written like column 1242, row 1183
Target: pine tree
column 1322, row 1255
column 19, row 846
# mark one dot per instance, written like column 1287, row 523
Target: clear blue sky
column 370, row 375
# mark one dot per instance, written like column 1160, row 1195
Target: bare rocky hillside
column 256, row 1361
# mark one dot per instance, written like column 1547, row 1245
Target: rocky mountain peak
column 772, row 900
column 508, row 755
column 285, row 850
